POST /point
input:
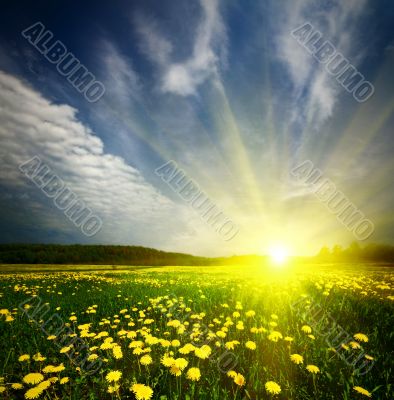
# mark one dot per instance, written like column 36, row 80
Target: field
column 198, row 333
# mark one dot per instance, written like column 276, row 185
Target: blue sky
column 220, row 87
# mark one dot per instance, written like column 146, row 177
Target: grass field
column 198, row 333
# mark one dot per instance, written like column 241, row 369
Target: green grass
column 358, row 300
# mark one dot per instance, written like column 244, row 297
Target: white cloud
column 183, row 78
column 132, row 210
column 338, row 24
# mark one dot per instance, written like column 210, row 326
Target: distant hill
column 138, row 255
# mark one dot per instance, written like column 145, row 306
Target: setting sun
column 278, row 254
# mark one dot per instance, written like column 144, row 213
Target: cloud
column 183, row 78
column 132, row 210
column 33, row 126
column 315, row 91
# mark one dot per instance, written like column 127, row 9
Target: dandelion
column 142, row 392
column 272, row 387
column 231, row 374
column 363, row 391
column 167, row 361
column 250, row 345
column 113, row 376
column 64, row 380
column 2, row 389
column 92, row 357
column 313, row 369
column 117, row 352
column 65, row 349
column 44, row 385
column 239, row 380
column 24, row 357
column 176, row 371
column 38, row 357
column 48, row 369
column 274, row 336
column 306, row 329
column 146, row 359
column 193, row 374
column 181, row 363
column 360, row 337
column 311, row 337
column 113, row 389
column 17, row 386
column 203, row 352
column 297, row 359
column 33, row 378
column 33, row 393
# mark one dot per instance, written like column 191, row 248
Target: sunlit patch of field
column 228, row 332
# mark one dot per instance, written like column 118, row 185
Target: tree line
column 355, row 253
column 138, row 255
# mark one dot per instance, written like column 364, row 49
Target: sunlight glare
column 278, row 254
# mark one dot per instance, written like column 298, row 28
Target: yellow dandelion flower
column 117, row 352
column 297, row 358
column 113, row 389
column 250, row 345
column 312, row 369
column 167, row 361
column 231, row 374
column 33, row 393
column 64, row 380
column 176, row 371
column 193, row 374
column 146, row 359
column 363, row 391
column 181, row 363
column 2, row 389
column 48, row 369
column 17, row 386
column 360, row 337
column 203, row 352
column 306, row 329
column 274, row 336
column 65, row 349
column 142, row 392
column 272, row 387
column 24, row 357
column 239, row 380
column 44, row 385
column 33, row 378
column 113, row 376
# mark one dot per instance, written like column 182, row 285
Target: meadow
column 230, row 332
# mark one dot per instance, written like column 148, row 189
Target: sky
column 225, row 93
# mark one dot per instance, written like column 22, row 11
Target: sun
column 278, row 254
